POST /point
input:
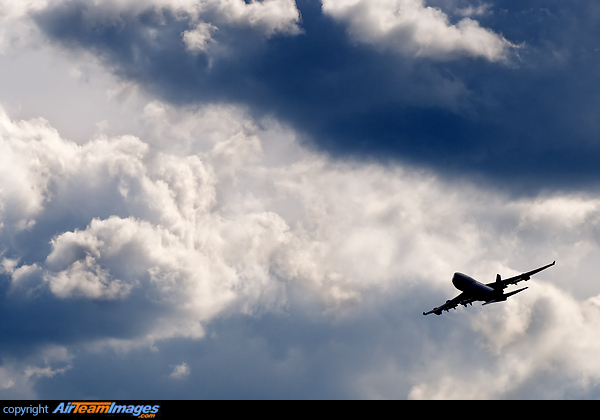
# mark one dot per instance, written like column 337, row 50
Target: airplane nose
column 455, row 280
column 460, row 281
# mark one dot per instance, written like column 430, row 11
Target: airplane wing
column 462, row 299
column 500, row 284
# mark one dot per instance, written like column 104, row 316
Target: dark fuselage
column 471, row 286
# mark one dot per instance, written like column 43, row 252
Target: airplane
column 472, row 290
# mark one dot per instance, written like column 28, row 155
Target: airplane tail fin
column 498, row 285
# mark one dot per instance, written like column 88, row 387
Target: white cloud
column 543, row 335
column 227, row 205
column 18, row 377
column 30, row 154
column 15, row 27
column 215, row 214
column 200, row 37
column 479, row 10
column 410, row 27
column 180, row 371
column 269, row 17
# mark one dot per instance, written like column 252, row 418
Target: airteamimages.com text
column 84, row 407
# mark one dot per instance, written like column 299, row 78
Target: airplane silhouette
column 472, row 290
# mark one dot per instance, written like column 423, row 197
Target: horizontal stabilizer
column 515, row 292
column 504, row 297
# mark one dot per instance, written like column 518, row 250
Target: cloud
column 371, row 99
column 18, row 377
column 16, row 29
column 235, row 204
column 535, row 340
column 481, row 10
column 27, row 167
column 412, row 28
column 270, row 17
column 180, row 371
column 232, row 202
column 198, row 38
column 237, row 228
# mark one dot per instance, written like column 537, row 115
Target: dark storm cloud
column 274, row 356
column 530, row 120
column 30, row 317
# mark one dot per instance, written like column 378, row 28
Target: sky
column 229, row 199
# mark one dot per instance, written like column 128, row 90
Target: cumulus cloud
column 199, row 38
column 180, row 371
column 546, row 337
column 405, row 26
column 18, row 377
column 235, row 224
column 198, row 21
column 470, row 10
column 26, row 168
column 271, row 16
column 208, row 229
column 410, row 27
column 16, row 29
column 172, row 241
